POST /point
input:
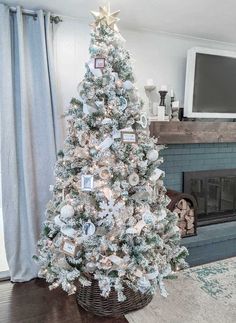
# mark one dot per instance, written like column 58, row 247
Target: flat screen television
column 210, row 88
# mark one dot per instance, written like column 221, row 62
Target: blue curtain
column 30, row 132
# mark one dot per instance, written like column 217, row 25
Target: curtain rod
column 28, row 12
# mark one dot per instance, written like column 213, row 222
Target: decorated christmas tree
column 108, row 218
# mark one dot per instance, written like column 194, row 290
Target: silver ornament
column 133, row 179
column 104, row 173
column 152, row 155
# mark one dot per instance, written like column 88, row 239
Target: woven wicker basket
column 90, row 299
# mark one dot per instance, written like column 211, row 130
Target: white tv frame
column 189, row 83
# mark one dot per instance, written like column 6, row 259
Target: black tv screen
column 214, row 84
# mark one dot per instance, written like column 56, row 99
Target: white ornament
column 116, row 134
column 143, row 284
column 148, row 217
column 152, row 275
column 106, row 121
column 157, row 173
column 88, row 228
column 128, row 85
column 106, row 143
column 139, row 226
column 99, row 104
column 123, row 103
column 111, row 208
column 143, row 120
column 115, row 259
column 67, row 211
column 68, row 231
column 138, row 273
column 115, row 76
column 152, row 155
column 96, row 71
column 133, row 179
column 80, row 90
column 58, row 222
column 88, row 109
column 90, row 93
column 162, row 215
column 107, row 192
column 90, row 267
column 131, row 231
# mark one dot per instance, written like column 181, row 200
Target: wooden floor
column 32, row 302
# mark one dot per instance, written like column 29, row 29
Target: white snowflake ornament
column 110, row 209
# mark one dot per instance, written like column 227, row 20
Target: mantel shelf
column 184, row 132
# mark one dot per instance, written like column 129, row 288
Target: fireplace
column 215, row 192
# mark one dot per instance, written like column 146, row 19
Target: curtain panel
column 30, row 133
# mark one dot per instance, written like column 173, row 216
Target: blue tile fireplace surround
column 213, row 242
column 180, row 158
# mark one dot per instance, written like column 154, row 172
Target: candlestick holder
column 149, row 89
column 163, row 97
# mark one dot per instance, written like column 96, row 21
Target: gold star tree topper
column 104, row 16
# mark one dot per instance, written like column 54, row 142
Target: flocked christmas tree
column 108, row 217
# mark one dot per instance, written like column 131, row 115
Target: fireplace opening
column 215, row 193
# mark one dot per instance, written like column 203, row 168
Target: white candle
column 175, row 104
column 161, row 113
column 155, row 108
column 164, row 88
column 172, row 94
column 150, row 82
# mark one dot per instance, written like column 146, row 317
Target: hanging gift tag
column 69, row 247
column 129, row 137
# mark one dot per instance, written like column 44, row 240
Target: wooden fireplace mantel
column 184, row 132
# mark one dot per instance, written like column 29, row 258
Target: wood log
column 185, row 206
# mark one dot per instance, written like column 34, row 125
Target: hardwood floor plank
column 33, row 302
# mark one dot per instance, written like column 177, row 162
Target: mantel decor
column 185, row 132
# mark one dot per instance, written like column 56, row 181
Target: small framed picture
column 69, row 247
column 99, row 62
column 87, row 183
column 129, row 137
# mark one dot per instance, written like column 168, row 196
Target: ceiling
column 209, row 19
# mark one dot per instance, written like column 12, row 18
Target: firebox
column 215, row 193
